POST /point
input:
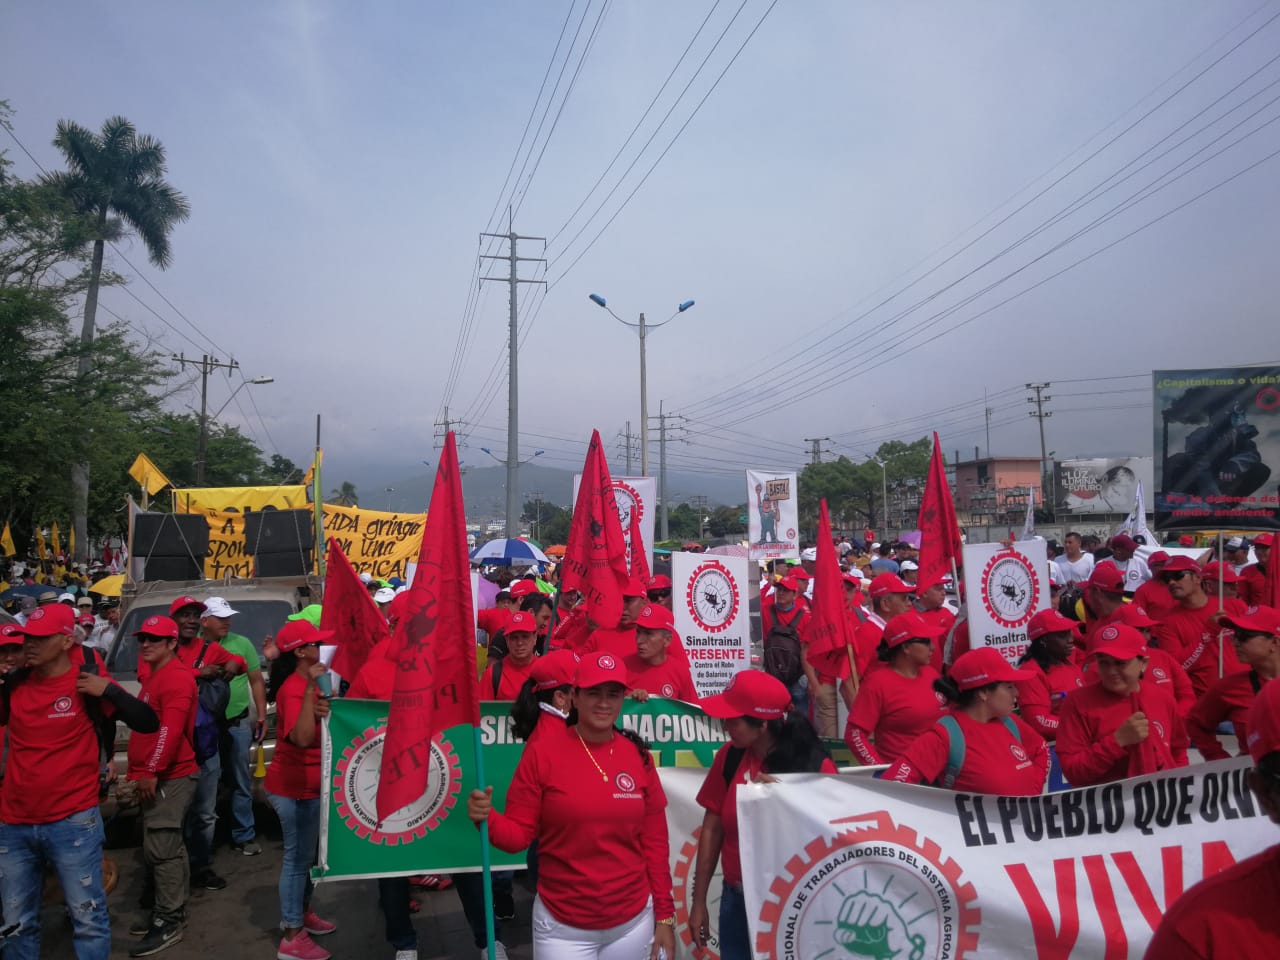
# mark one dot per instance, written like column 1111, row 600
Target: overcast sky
column 341, row 159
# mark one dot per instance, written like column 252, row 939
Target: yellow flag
column 6, row 541
column 42, row 550
column 71, row 542
column 56, row 537
column 147, row 475
column 310, row 478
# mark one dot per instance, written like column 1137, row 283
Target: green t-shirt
column 241, row 647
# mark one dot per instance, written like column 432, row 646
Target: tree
column 549, row 523
column 116, row 177
column 724, row 521
column 282, row 470
column 345, row 495
column 855, row 491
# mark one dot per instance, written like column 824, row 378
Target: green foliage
column 855, row 491
column 548, row 523
column 344, row 495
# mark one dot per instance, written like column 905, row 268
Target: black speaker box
column 278, row 531
column 184, row 535
column 283, row 564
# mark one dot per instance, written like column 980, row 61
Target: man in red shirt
column 1233, row 914
column 620, row 641
column 890, row 596
column 1153, row 596
column 1256, row 636
column 163, row 765
column 651, row 668
column 1190, row 632
column 504, row 676
column 49, row 799
column 1255, row 586
column 659, row 590
column 789, row 609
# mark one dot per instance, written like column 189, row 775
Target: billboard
column 1217, row 448
column 773, row 515
column 1099, row 486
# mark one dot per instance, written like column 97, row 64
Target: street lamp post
column 202, row 455
column 642, row 329
column 513, row 517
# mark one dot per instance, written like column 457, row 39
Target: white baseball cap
column 910, row 565
column 809, row 553
column 217, row 607
column 366, row 578
column 384, row 595
column 62, row 598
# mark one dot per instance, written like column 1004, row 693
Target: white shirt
column 102, row 635
column 1135, row 570
column 1076, row 571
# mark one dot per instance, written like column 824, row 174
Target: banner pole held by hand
column 486, row 867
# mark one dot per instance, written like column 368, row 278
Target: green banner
column 352, row 846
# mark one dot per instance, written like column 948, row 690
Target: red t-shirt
column 722, row 800
column 168, row 753
column 599, row 840
column 188, row 652
column 377, row 678
column 1040, row 698
column 994, row 761
column 944, row 618
column 492, row 619
column 620, row 641
column 670, row 678
column 52, row 768
column 893, row 710
column 957, row 643
column 1155, row 598
column 294, row 770
column 1232, row 914
column 1228, row 699
column 1087, row 747
column 510, row 680
column 572, row 633
column 1189, row 636
column 1163, row 671
column 1255, row 589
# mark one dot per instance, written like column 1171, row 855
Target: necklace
column 591, row 756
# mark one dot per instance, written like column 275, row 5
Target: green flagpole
column 487, row 869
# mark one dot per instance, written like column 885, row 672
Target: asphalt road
column 241, row 922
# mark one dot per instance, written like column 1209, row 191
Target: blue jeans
column 236, row 741
column 300, row 823
column 800, row 697
column 203, row 816
column 74, row 847
column 735, row 941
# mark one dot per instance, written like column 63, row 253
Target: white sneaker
column 499, row 952
column 406, row 955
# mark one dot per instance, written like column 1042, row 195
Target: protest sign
column 376, row 542
column 1004, row 587
column 225, row 508
column 1217, row 446
column 709, row 601
column 830, row 862
column 352, row 844
column 773, row 515
column 633, row 493
column 1099, row 486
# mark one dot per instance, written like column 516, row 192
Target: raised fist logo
column 870, row 926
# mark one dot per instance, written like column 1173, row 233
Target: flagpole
column 486, row 866
column 1222, row 573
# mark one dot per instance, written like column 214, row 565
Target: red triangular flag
column 106, row 552
column 639, row 559
column 595, row 559
column 940, row 546
column 436, row 682
column 350, row 613
column 831, row 631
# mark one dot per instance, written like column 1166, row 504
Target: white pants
column 553, row 940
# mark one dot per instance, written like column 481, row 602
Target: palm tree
column 117, row 178
column 345, row 495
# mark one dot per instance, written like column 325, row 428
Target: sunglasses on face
column 659, row 594
column 1171, row 577
column 145, row 639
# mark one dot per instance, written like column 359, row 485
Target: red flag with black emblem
column 595, row 558
column 830, row 633
column 635, row 544
column 436, row 682
column 940, row 546
column 350, row 613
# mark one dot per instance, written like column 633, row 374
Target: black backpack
column 782, row 656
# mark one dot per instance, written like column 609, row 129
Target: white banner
column 684, row 828
column 709, row 600
column 631, row 493
column 773, row 515
column 849, row 866
column 1003, row 588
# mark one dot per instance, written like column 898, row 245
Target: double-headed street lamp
column 642, row 329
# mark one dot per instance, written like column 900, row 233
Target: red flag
column 106, row 552
column 350, row 613
column 1272, row 595
column 436, row 681
column 831, row 630
column 595, row 559
column 639, row 559
column 939, row 529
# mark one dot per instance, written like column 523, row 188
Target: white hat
column 809, row 553
column 366, row 578
column 384, row 595
column 67, row 596
column 909, row 565
column 217, row 607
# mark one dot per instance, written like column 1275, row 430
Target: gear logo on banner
column 1010, row 588
column 874, row 891
column 355, row 783
column 682, row 891
column 712, row 596
column 627, row 498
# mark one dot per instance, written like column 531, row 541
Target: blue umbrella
column 24, row 590
column 505, row 552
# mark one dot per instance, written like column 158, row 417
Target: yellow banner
column 376, row 542
column 147, row 475
column 239, row 499
column 6, row 541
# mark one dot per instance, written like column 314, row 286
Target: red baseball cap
column 555, row 669
column 298, row 633
column 636, row 588
column 1180, row 563
column 1119, row 641
column 654, row 616
column 887, row 583
column 1264, row 722
column 852, row 579
column 1136, row 616
column 983, row 667
column 910, row 626
column 56, row 618
column 184, row 601
column 520, row 622
column 1106, row 577
column 1211, row 571
column 1125, row 541
column 1186, row 540
column 158, row 627
column 800, row 573
column 788, row 583
column 1157, row 558
column 596, row 669
column 1051, row 621
column 750, row 693
column 1255, row 620
column 1263, row 540
column 660, row 582
column 521, row 588
column 86, row 620
column 10, row 634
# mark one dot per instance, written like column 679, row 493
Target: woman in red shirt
column 1256, row 635
column 547, row 693
column 1053, row 671
column 590, row 795
column 894, row 706
column 980, row 746
column 1121, row 726
column 766, row 735
column 293, row 781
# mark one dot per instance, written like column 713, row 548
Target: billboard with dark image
column 1217, row 448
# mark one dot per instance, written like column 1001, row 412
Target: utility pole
column 816, row 452
column 664, row 528
column 536, row 497
column 207, row 365
column 513, row 391
column 700, row 501
column 628, row 439
column 445, row 424
column 1041, row 414
column 987, row 412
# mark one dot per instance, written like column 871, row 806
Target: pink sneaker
column 315, row 925
column 301, row 947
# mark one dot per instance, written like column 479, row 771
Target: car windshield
column 254, row 619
